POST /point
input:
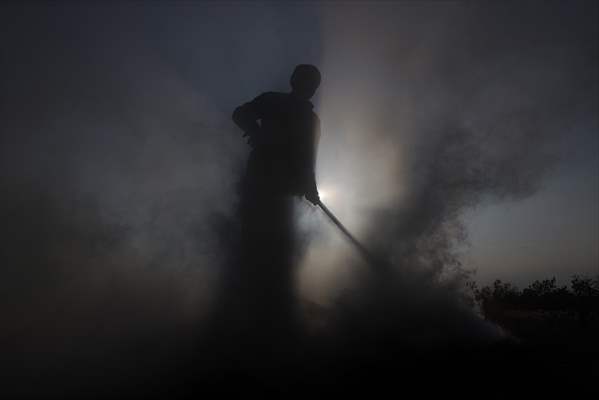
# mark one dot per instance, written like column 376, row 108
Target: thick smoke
column 114, row 168
column 434, row 110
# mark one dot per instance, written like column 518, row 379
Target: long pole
column 359, row 246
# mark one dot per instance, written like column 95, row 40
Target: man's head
column 305, row 80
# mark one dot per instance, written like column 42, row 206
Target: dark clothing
column 258, row 308
column 257, row 319
column 284, row 142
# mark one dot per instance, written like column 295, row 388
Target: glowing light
column 326, row 193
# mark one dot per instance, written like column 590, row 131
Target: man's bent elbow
column 237, row 115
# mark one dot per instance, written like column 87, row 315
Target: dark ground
column 554, row 360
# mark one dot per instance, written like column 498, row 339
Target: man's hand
column 312, row 197
column 252, row 136
column 249, row 139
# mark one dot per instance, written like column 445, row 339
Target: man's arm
column 311, row 190
column 246, row 118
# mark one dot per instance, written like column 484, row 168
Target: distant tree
column 505, row 292
column 541, row 288
column 546, row 295
column 490, row 299
column 583, row 298
column 586, row 292
column 584, row 286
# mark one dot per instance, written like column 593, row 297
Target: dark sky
column 444, row 124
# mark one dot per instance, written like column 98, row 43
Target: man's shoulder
column 272, row 102
column 268, row 100
column 272, row 96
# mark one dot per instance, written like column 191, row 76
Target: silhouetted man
column 282, row 130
